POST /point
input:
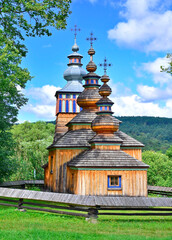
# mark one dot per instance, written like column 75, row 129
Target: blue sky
column 133, row 35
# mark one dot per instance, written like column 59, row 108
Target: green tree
column 160, row 171
column 31, row 17
column 20, row 18
column 12, row 79
column 31, row 141
column 169, row 68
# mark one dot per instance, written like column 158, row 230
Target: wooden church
column 89, row 154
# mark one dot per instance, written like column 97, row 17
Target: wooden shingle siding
column 92, row 182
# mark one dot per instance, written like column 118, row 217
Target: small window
column 67, row 95
column 114, row 182
column 96, row 81
column 110, row 108
column 79, row 60
column 74, row 96
column 51, row 167
column 101, row 108
column 75, row 60
column 106, row 108
column 87, row 82
column 92, row 81
column 60, row 95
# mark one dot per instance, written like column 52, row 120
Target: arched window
column 60, row 105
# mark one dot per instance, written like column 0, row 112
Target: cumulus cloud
column 147, row 26
column 162, row 89
column 42, row 101
column 133, row 106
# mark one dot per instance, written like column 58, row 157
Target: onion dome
column 88, row 98
column 105, row 122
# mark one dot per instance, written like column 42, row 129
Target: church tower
column 66, row 98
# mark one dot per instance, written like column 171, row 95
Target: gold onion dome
column 105, row 122
column 88, row 98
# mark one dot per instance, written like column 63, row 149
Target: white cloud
column 147, row 27
column 154, row 69
column 45, row 94
column 42, row 102
column 162, row 88
column 132, row 106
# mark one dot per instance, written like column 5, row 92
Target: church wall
column 94, row 182
column 57, row 180
column 136, row 153
column 61, row 120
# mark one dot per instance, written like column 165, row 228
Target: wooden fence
column 86, row 206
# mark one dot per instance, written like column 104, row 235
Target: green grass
column 15, row 225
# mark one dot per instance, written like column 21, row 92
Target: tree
column 33, row 17
column 169, row 68
column 31, row 141
column 12, row 79
column 17, row 19
column 160, row 170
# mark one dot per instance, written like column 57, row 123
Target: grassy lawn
column 38, row 225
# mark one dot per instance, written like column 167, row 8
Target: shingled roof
column 106, row 158
column 127, row 140
column 76, row 138
column 85, row 116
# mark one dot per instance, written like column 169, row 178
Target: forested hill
column 154, row 132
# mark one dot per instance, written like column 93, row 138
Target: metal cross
column 105, row 65
column 75, row 29
column 91, row 39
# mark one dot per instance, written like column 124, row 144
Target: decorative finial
column 75, row 30
column 91, row 39
column 105, row 65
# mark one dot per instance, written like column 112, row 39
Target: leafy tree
column 160, row 171
column 31, row 140
column 169, row 153
column 169, row 68
column 33, row 17
column 12, row 79
column 20, row 18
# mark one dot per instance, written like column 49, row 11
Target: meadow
column 32, row 225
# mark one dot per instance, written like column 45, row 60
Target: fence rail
column 85, row 206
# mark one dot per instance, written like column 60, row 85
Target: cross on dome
column 91, row 39
column 105, row 65
column 75, row 30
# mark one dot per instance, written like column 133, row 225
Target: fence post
column 92, row 215
column 20, row 203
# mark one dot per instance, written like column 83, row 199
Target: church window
column 87, row 82
column 75, row 60
column 74, row 106
column 60, row 105
column 101, row 108
column 51, row 165
column 74, row 96
column 96, row 81
column 106, row 108
column 114, row 182
column 67, row 95
column 109, row 108
column 67, row 106
column 79, row 60
column 92, row 81
column 60, row 95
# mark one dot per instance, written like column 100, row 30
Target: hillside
column 154, row 132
